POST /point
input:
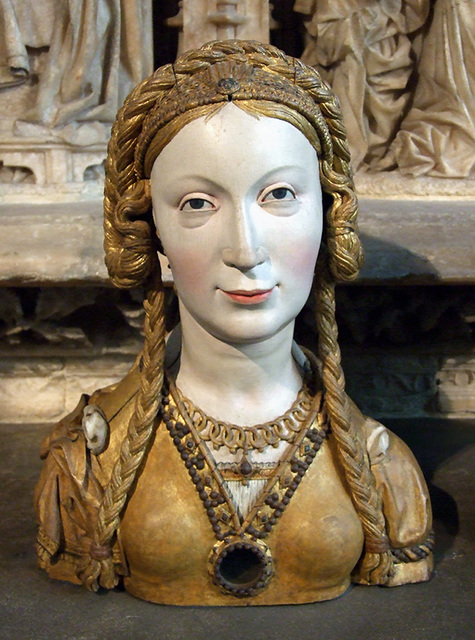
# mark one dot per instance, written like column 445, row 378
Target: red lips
column 249, row 297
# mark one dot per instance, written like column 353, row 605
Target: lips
column 249, row 297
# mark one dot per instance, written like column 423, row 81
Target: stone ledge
column 418, row 241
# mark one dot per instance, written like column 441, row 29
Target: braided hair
column 260, row 79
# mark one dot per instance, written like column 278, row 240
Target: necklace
column 240, row 563
column 236, row 437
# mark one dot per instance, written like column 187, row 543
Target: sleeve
column 66, row 498
column 406, row 504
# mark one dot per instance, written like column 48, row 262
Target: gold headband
column 225, row 82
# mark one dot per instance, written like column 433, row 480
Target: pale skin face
column 238, row 208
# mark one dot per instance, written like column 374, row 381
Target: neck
column 244, row 384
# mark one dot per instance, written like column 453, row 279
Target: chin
column 245, row 333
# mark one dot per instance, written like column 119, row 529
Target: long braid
column 127, row 241
column 100, row 570
column 376, row 564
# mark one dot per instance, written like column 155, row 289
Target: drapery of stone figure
column 366, row 51
column 98, row 50
column 437, row 138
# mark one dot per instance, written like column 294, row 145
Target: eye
column 279, row 193
column 197, row 202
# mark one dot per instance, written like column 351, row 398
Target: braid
column 100, row 569
column 376, row 564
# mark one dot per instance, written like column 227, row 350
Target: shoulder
column 405, row 498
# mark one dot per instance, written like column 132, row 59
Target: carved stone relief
column 65, row 69
column 200, row 21
column 402, row 70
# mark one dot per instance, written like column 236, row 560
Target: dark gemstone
column 288, row 494
column 199, row 486
column 268, row 526
column 185, row 455
column 301, row 472
column 278, row 513
column 200, row 464
column 294, row 467
column 214, row 520
column 207, row 502
column 228, row 85
column 272, row 519
column 203, row 494
column 190, row 444
column 285, row 499
column 210, row 512
column 213, row 494
column 176, row 440
column 294, row 484
column 245, row 467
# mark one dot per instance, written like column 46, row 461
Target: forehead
column 234, row 141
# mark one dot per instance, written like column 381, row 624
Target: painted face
column 238, row 208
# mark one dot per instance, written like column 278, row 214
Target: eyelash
column 208, row 203
column 279, row 187
column 197, row 197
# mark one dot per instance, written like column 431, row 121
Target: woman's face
column 238, row 208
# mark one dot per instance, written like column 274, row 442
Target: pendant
column 240, row 566
column 245, row 467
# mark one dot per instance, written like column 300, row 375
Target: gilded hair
column 262, row 80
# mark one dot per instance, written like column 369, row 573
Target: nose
column 243, row 250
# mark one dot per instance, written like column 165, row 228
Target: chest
column 169, row 530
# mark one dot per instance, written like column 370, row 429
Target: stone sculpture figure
column 367, row 52
column 220, row 161
column 437, row 137
column 97, row 52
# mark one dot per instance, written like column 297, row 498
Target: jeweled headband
column 230, row 81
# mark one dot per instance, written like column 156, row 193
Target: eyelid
column 278, row 185
column 198, row 195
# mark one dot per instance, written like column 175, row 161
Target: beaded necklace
column 240, row 562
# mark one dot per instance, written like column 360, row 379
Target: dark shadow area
column 389, row 262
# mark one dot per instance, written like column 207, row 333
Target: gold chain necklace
column 235, row 437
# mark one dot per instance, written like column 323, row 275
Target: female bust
column 229, row 466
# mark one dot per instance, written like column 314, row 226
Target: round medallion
column 228, row 86
column 240, row 566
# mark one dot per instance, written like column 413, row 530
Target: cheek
column 301, row 255
column 189, row 267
